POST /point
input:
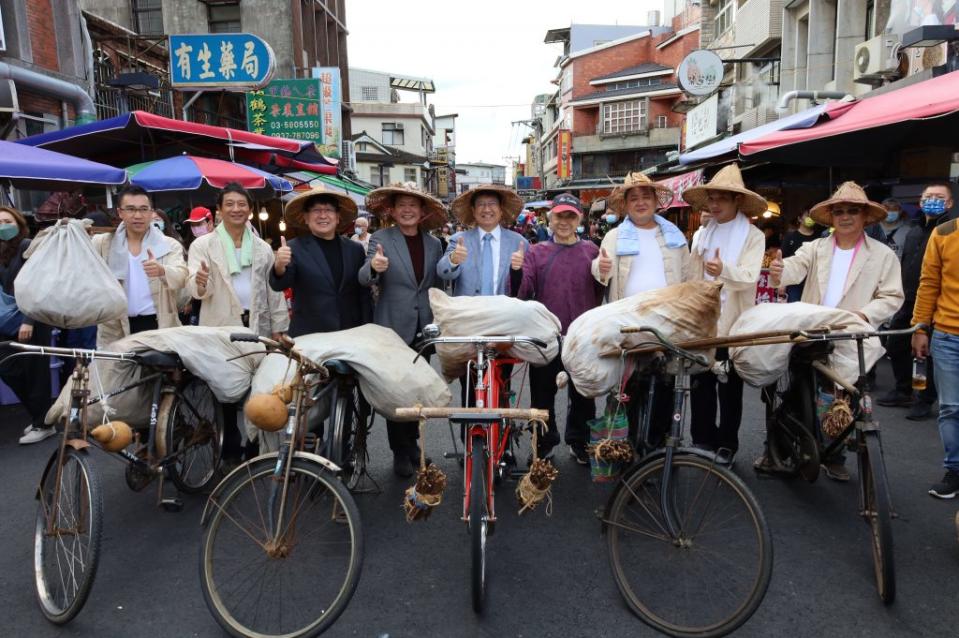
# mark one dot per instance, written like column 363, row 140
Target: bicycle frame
column 487, row 393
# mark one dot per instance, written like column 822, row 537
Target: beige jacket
column 675, row 264
column 873, row 286
column 220, row 305
column 162, row 289
column 739, row 279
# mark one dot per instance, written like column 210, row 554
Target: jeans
column 945, row 353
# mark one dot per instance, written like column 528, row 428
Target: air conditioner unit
column 348, row 152
column 876, row 59
column 398, row 126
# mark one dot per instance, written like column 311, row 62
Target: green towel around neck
column 246, row 249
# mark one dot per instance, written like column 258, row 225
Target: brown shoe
column 836, row 471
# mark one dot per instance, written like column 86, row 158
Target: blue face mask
column 579, row 230
column 8, row 231
column 933, row 207
column 611, row 219
column 521, row 218
column 892, row 216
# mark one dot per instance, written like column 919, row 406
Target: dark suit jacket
column 317, row 305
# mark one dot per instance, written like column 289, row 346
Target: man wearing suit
column 401, row 261
column 478, row 261
column 321, row 267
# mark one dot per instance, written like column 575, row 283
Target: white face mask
column 358, row 230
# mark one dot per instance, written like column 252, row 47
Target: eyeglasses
column 326, row 210
column 482, row 205
column 846, row 211
column 130, row 210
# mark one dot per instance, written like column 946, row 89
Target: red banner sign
column 680, row 183
column 564, row 154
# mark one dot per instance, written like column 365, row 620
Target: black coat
column 913, row 250
column 317, row 305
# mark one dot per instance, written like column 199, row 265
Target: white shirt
column 242, row 283
column 494, row 245
column 648, row 271
column 720, row 239
column 838, row 273
column 139, row 299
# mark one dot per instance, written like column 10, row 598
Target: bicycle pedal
column 171, row 504
column 453, row 455
column 516, row 475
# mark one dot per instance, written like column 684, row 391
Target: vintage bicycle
column 796, row 444
column 182, row 442
column 689, row 546
column 490, row 434
column 282, row 544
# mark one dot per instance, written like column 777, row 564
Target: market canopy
column 140, row 136
column 189, row 173
column 727, row 145
column 869, row 132
column 40, row 169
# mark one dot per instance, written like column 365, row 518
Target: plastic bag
column 384, row 363
column 762, row 365
column 681, row 312
column 613, row 427
column 65, row 283
column 492, row 316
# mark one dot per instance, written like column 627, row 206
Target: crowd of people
column 847, row 252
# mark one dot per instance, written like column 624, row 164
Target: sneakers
column 35, row 435
column 895, row 399
column 577, row 452
column 920, row 411
column 836, row 471
column 948, row 487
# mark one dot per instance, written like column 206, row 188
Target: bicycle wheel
column 479, row 521
column 348, row 432
column 877, row 512
column 65, row 559
column 712, row 577
column 790, row 425
column 295, row 585
column 190, row 424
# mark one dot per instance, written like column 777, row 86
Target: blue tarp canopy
column 39, row 169
column 803, row 119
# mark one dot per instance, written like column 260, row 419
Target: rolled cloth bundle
column 681, row 312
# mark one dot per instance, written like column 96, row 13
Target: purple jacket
column 558, row 276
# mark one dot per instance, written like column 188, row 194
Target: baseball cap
column 199, row 214
column 565, row 202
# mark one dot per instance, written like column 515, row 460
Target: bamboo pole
column 443, row 413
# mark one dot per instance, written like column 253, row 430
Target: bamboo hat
column 380, row 201
column 293, row 211
column 511, row 203
column 617, row 200
column 847, row 193
column 730, row 180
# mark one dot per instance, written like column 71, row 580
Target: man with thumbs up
column 401, row 261
column 147, row 263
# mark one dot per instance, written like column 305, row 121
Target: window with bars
column 661, row 121
column 725, row 16
column 393, row 133
column 624, row 117
column 371, row 93
column 375, row 176
column 224, row 18
column 148, row 16
column 629, row 84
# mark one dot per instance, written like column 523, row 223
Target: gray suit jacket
column 466, row 277
column 403, row 304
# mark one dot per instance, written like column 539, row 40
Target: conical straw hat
column 848, row 193
column 293, row 211
column 617, row 199
column 512, row 203
column 381, row 200
column 728, row 179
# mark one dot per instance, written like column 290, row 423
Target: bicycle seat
column 337, row 366
column 157, row 359
column 811, row 350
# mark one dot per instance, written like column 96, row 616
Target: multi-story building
column 473, row 174
column 613, row 112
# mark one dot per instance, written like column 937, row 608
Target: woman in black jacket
column 29, row 376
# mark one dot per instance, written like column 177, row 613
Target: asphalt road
column 548, row 576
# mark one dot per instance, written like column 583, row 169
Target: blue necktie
column 486, row 265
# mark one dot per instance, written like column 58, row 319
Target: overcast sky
column 488, row 58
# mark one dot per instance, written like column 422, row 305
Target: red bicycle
column 489, row 434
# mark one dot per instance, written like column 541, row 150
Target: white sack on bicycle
column 760, row 366
column 384, row 363
column 204, row 352
column 681, row 312
column 492, row 316
column 65, row 283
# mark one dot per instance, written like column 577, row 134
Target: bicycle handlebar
column 75, row 353
column 816, row 335
column 698, row 359
column 539, row 344
column 284, row 346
